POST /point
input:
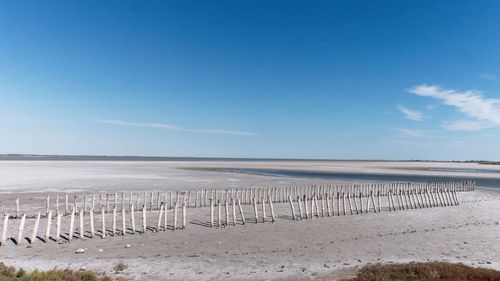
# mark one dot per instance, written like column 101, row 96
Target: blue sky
column 292, row 79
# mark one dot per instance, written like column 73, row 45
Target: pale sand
column 307, row 249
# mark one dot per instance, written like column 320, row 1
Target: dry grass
column 428, row 271
column 120, row 266
column 9, row 273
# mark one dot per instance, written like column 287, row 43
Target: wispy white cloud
column 484, row 111
column 173, row 127
column 411, row 114
column 412, row 133
column 467, row 125
column 489, row 76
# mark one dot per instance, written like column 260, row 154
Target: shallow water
column 480, row 182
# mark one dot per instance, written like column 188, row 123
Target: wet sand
column 285, row 249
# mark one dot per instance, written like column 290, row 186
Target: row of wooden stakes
column 246, row 196
column 103, row 233
column 406, row 200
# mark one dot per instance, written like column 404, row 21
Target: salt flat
column 306, row 249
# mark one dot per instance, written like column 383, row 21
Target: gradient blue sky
column 292, row 79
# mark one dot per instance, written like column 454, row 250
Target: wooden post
column 378, row 200
column 158, row 203
column 35, row 229
column 328, row 209
column 264, row 217
column 322, row 205
column 4, row 231
column 124, row 224
column 107, row 203
column 350, row 203
column 272, row 209
column 82, row 228
column 150, row 201
column 211, row 212
column 256, row 213
column 355, row 203
column 301, row 212
column 175, row 215
column 49, row 221
column 361, row 202
column 71, row 225
column 47, row 205
column 183, row 215
column 165, row 218
column 226, row 209
column 58, row 228
column 17, row 207
column 219, row 213
column 57, row 204
column 306, row 207
column 75, row 203
column 241, row 212
column 103, row 218
column 293, row 209
column 144, row 218
column 92, row 229
column 21, row 229
column 132, row 219
column 373, row 201
column 233, row 203
column 113, row 229
column 84, row 203
column 66, row 205
column 160, row 213
column 338, row 203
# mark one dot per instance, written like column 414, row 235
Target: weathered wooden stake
column 183, row 215
column 58, row 228
column 47, row 205
column 17, row 207
column 132, row 219
column 256, row 213
column 35, row 229
column 219, row 213
column 103, row 218
column 92, row 229
column 160, row 213
column 113, row 228
column 144, row 222
column 175, row 216
column 21, row 229
column 272, row 209
column 71, row 225
column 293, row 209
column 66, row 212
column 241, row 212
column 124, row 224
column 4, row 231
column 82, row 227
column 49, row 221
column 211, row 212
column 233, row 203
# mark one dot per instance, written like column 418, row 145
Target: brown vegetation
column 428, row 271
column 9, row 273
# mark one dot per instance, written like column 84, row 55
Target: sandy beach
column 309, row 249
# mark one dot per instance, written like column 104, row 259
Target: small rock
column 83, row 267
column 100, row 250
column 80, row 251
column 29, row 246
column 127, row 246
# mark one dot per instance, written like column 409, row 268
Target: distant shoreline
column 42, row 157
